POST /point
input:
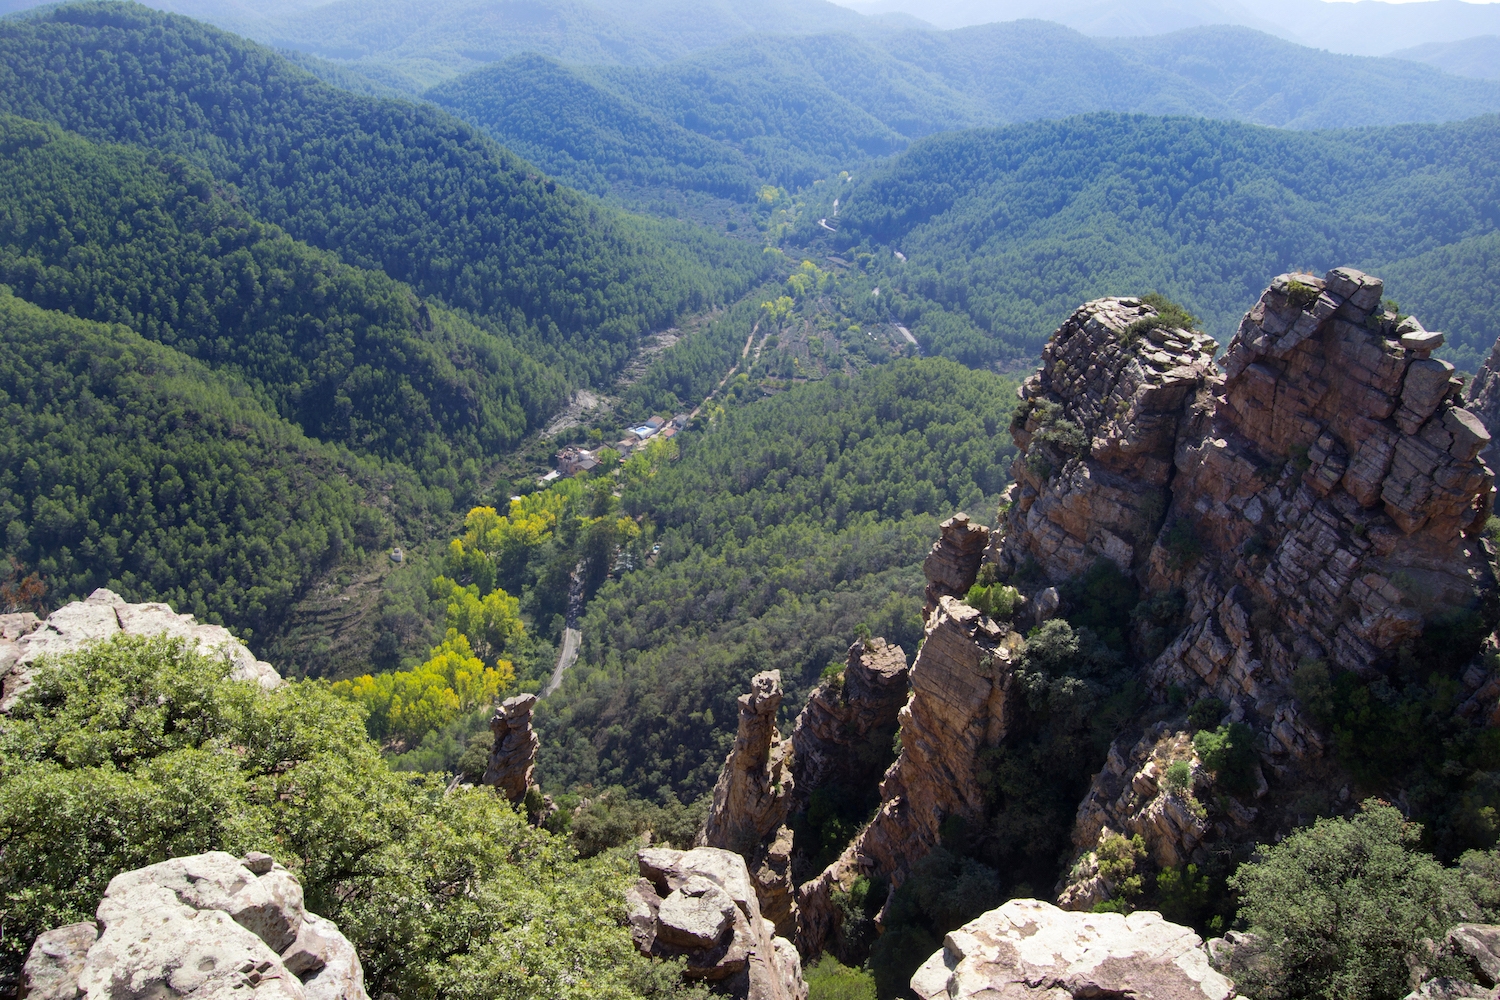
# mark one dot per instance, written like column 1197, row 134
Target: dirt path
column 565, row 659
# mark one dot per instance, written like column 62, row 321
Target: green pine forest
column 290, row 337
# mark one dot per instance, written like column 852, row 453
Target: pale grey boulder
column 1028, row 948
column 206, row 927
column 101, row 616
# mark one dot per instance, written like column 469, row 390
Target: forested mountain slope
column 792, row 109
column 1013, row 227
column 785, row 528
column 399, row 187
column 124, row 463
column 126, row 235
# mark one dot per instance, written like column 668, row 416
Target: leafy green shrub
column 1348, row 905
column 1229, row 752
column 1182, row 544
column 830, row 979
column 136, row 750
column 1179, row 775
column 1299, row 295
column 1118, row 857
column 1169, row 316
column 1102, row 600
column 997, row 600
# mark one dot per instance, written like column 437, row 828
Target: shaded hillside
column 121, row 234
column 130, row 466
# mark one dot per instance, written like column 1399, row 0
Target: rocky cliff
column 1313, row 502
column 24, row 638
column 751, row 799
column 209, row 925
column 842, row 738
column 959, row 703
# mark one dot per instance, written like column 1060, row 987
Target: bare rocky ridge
column 701, row 905
column 751, row 798
column 206, row 926
column 1028, row 948
column 513, row 757
column 24, row 638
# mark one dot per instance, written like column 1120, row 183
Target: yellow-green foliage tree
column 495, row 547
column 492, row 623
column 408, row 704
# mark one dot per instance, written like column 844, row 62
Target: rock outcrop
column 1321, row 508
column 1098, row 427
column 842, row 737
column 954, row 561
column 206, row 926
column 1132, row 797
column 1028, row 948
column 1477, row 948
column 513, row 757
column 960, row 703
column 24, row 638
column 751, row 799
column 701, row 905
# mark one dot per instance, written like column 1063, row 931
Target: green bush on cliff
column 1347, row 907
column 137, row 750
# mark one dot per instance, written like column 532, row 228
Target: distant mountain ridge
column 1368, row 27
column 1477, row 57
column 787, row 110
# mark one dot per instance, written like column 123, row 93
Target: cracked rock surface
column 206, row 927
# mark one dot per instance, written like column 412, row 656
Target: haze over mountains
column 1364, row 28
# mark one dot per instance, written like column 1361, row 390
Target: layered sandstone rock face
column 842, row 737
column 1324, row 502
column 1097, row 428
column 1028, row 948
column 954, row 561
column 960, row 702
column 702, row 906
column 513, row 758
column 751, row 798
column 206, row 926
column 24, row 638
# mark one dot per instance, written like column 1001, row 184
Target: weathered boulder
column 102, row 615
column 751, row 799
column 204, row 926
column 513, row 758
column 960, row 702
column 1097, row 429
column 1028, row 948
column 702, row 905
